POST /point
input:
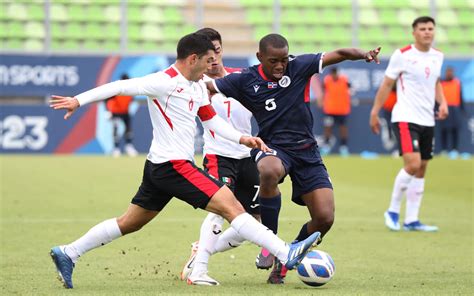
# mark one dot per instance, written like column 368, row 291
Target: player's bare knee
column 127, row 225
column 269, row 175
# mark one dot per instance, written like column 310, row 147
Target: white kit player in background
column 226, row 161
column 416, row 69
column 175, row 97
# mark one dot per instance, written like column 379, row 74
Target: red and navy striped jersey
column 281, row 108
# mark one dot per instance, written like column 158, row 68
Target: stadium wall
column 38, row 129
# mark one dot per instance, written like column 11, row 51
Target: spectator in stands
column 118, row 106
column 336, row 104
column 450, row 126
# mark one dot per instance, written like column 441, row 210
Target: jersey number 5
column 270, row 104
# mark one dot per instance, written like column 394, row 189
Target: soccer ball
column 316, row 269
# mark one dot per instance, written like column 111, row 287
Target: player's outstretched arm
column 343, row 54
column 380, row 98
column 67, row 103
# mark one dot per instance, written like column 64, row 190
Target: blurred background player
column 229, row 162
column 277, row 93
column 450, row 127
column 336, row 105
column 387, row 115
column 417, row 69
column 118, row 106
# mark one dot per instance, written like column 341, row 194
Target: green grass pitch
column 51, row 200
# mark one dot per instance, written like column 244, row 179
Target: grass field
column 51, row 200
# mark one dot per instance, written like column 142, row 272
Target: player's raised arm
column 380, row 98
column 343, row 54
column 146, row 85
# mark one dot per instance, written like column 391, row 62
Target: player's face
column 274, row 62
column 424, row 33
column 214, row 68
column 201, row 64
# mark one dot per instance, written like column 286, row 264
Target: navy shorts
column 240, row 175
column 414, row 138
column 305, row 167
column 177, row 178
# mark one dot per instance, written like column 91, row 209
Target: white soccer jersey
column 236, row 115
column 416, row 73
column 173, row 103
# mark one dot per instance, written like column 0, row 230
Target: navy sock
column 269, row 211
column 303, row 233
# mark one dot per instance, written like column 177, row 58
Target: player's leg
column 116, row 120
column 224, row 169
column 272, row 171
column 224, row 203
column 344, row 135
column 416, row 187
column 129, row 148
column 328, row 124
column 406, row 138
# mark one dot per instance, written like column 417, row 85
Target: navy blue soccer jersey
column 281, row 108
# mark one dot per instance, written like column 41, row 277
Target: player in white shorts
column 229, row 163
column 416, row 68
column 175, row 97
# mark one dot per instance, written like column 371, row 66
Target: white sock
column 211, row 228
column 228, row 240
column 99, row 235
column 250, row 229
column 414, row 196
column 401, row 183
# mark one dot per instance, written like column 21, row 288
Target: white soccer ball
column 316, row 269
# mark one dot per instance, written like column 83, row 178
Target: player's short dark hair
column 193, row 43
column 124, row 76
column 273, row 40
column 211, row 33
column 423, row 20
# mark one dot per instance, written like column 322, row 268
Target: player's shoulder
column 437, row 52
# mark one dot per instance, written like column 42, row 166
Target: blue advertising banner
column 39, row 129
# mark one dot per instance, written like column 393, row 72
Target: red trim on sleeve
column 306, row 91
column 212, row 165
column 168, row 120
column 406, row 48
column 405, row 137
column 195, row 177
column 206, row 112
column 171, row 72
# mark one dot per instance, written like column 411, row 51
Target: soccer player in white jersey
column 229, row 162
column 417, row 69
column 175, row 97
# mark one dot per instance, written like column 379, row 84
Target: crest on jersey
column 284, row 81
column 256, row 87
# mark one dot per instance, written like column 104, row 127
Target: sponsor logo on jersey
column 272, row 84
column 284, row 81
column 256, row 87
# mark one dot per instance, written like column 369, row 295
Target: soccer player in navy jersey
column 277, row 93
